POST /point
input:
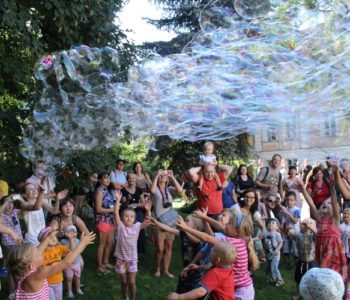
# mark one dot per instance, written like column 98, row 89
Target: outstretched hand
column 201, row 213
column 87, row 239
column 62, row 194
column 181, row 223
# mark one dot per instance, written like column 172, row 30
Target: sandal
column 169, row 275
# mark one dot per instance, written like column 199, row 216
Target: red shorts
column 104, row 227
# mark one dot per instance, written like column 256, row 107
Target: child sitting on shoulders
column 291, row 219
column 219, row 280
column 126, row 246
column 26, row 261
column 73, row 272
column 273, row 242
column 208, row 158
column 345, row 237
column 305, row 244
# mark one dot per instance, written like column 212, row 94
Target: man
column 210, row 195
column 269, row 179
column 118, row 176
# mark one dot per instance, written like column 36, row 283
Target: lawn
column 149, row 287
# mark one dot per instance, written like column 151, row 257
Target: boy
column 305, row 243
column 291, row 221
column 218, row 281
column 273, row 244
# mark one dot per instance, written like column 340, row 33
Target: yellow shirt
column 53, row 255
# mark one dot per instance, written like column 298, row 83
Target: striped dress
column 43, row 294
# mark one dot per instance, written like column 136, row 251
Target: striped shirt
column 240, row 266
column 43, row 294
column 126, row 246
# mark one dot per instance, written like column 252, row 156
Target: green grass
column 149, row 287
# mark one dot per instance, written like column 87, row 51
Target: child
column 243, row 285
column 27, row 262
column 305, row 244
column 126, row 246
column 345, row 237
column 73, row 272
column 208, row 158
column 273, row 243
column 291, row 220
column 53, row 254
column 219, row 280
column 9, row 218
column 329, row 249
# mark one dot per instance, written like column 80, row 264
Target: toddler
column 26, row 261
column 208, row 158
column 73, row 272
column 305, row 244
column 273, row 243
column 219, row 280
column 126, row 246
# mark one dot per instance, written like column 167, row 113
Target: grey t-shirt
column 159, row 197
column 271, row 241
column 272, row 177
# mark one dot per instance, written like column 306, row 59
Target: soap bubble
column 269, row 68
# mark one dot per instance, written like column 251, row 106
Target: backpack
column 267, row 173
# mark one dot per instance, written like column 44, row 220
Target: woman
column 228, row 194
column 248, row 208
column 291, row 183
column 132, row 197
column 104, row 222
column 242, row 181
column 162, row 203
column 318, row 188
column 143, row 181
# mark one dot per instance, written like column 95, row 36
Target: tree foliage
column 30, row 28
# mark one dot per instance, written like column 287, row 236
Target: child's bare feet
column 157, row 274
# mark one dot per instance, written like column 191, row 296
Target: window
column 272, row 134
column 330, row 126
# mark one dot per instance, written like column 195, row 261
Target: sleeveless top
column 107, row 202
column 43, row 294
column 35, row 221
column 60, row 233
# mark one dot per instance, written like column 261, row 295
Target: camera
column 167, row 204
column 16, row 197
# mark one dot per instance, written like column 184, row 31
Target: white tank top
column 35, row 221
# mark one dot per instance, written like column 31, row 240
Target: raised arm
column 175, row 182
column 196, row 233
column 214, row 223
column 339, row 182
column 309, row 200
column 335, row 206
column 118, row 197
column 227, row 170
column 164, row 227
column 54, row 210
column 154, row 186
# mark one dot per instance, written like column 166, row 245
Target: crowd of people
column 300, row 215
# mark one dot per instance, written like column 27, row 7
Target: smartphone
column 16, row 197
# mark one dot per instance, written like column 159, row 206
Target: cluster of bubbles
column 257, row 65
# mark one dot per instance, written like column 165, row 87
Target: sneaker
column 270, row 280
column 279, row 282
column 70, row 295
column 80, row 292
column 12, row 297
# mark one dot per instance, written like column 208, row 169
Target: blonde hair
column 207, row 144
column 245, row 231
column 20, row 258
column 225, row 251
column 346, row 210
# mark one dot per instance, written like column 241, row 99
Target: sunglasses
column 271, row 201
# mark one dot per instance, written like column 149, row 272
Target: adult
column 210, row 195
column 318, row 188
column 248, row 209
column 104, row 221
column 271, row 207
column 162, row 197
column 269, row 179
column 40, row 171
column 229, row 197
column 118, row 176
column 291, row 184
column 143, row 181
column 243, row 180
column 132, row 197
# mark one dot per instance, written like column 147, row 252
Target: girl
column 329, row 250
column 27, row 262
column 244, row 289
column 104, row 222
column 126, row 247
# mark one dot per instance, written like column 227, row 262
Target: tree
column 28, row 29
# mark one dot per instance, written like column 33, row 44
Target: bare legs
column 164, row 252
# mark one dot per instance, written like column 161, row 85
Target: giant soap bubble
column 255, row 65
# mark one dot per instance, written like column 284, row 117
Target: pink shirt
column 240, row 266
column 43, row 294
column 126, row 246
